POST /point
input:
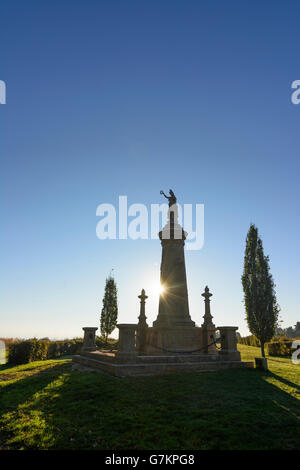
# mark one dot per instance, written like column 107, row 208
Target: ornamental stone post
column 126, row 349
column 89, row 338
column 229, row 350
column 208, row 328
column 142, row 326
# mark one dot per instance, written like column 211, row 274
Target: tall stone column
column 173, row 301
column 173, row 331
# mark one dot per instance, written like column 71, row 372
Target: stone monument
column 174, row 343
column 173, row 330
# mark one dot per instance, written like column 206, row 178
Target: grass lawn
column 44, row 405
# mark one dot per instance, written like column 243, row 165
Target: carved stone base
column 160, row 341
column 229, row 355
column 154, row 365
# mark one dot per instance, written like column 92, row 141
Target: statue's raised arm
column 172, row 198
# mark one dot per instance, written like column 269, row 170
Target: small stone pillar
column 142, row 326
column 89, row 338
column 126, row 350
column 229, row 350
column 261, row 363
column 208, row 328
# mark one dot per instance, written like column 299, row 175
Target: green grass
column 44, row 405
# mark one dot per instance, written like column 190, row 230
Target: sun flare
column 160, row 289
column 156, row 289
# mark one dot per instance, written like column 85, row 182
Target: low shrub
column 280, row 348
column 30, row 350
column 64, row 348
column 280, row 338
column 22, row 352
column 111, row 343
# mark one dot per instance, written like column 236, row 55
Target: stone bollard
column 229, row 350
column 126, row 350
column 261, row 363
column 89, row 338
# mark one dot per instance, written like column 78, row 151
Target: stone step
column 171, row 358
column 148, row 369
column 178, row 358
column 98, row 355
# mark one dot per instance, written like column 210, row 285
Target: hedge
column 248, row 340
column 280, row 348
column 63, row 348
column 111, row 343
column 22, row 352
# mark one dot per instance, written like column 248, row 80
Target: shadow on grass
column 281, row 360
column 285, row 381
column 18, row 392
column 29, row 364
column 6, row 366
column 236, row 409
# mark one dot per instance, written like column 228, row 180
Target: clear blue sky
column 109, row 98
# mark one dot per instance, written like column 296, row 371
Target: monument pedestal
column 173, row 340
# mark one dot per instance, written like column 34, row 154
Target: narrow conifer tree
column 109, row 313
column 259, row 290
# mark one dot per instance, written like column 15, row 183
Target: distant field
column 46, row 406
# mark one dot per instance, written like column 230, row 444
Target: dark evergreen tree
column 259, row 290
column 290, row 332
column 297, row 329
column 109, row 313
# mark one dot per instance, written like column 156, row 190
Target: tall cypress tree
column 259, row 290
column 109, row 313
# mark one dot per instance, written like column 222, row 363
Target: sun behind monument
column 161, row 289
column 174, row 342
column 155, row 288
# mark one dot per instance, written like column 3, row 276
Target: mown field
column 44, row 405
